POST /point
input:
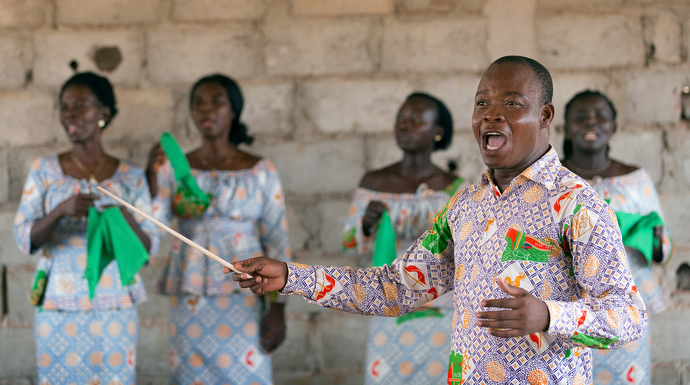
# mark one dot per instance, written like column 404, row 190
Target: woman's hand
column 156, row 159
column 273, row 327
column 76, row 205
column 372, row 215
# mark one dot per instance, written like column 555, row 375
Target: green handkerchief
column 421, row 313
column 384, row 245
column 109, row 237
column 190, row 200
column 638, row 231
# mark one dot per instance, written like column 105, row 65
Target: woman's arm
column 145, row 240
column 663, row 247
column 357, row 242
column 32, row 225
column 156, row 159
column 146, row 231
column 75, row 206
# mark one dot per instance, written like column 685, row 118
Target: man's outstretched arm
column 413, row 279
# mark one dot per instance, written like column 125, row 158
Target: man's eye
column 481, row 103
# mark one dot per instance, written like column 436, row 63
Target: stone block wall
column 323, row 80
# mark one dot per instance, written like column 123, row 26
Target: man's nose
column 493, row 115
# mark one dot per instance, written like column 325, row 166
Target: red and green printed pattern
column 593, row 342
column 523, row 247
column 349, row 240
column 455, row 368
column 187, row 205
column 439, row 235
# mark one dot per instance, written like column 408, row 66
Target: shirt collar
column 543, row 171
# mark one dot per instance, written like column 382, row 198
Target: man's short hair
column 542, row 74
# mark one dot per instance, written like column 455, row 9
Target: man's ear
column 547, row 114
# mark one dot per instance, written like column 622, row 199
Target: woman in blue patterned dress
column 78, row 340
column 412, row 349
column 590, row 122
column 219, row 334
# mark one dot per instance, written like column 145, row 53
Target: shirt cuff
column 300, row 280
column 560, row 323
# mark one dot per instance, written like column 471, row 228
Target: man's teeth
column 489, row 147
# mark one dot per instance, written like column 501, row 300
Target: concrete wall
column 323, row 80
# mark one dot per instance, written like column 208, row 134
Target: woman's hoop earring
column 438, row 138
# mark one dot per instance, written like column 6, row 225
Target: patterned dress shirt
column 548, row 233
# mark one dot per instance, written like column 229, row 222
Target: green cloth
column 190, row 200
column 384, row 245
column 452, row 188
column 422, row 313
column 638, row 231
column 109, row 237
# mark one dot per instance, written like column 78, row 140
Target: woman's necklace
column 581, row 171
column 85, row 171
column 203, row 161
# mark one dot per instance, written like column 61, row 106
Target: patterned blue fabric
column 215, row 340
column 95, row 347
column 632, row 193
column 244, row 203
column 414, row 352
column 64, row 254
